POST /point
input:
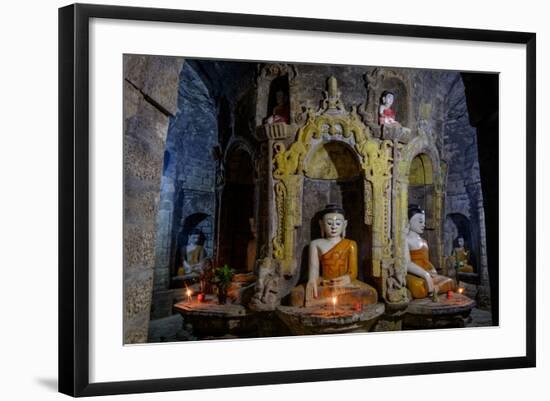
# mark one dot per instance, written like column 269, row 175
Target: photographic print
column 282, row 199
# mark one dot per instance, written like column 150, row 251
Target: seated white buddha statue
column 423, row 279
column 193, row 254
column 332, row 269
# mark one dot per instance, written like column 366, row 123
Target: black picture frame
column 74, row 198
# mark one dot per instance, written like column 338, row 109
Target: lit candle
column 188, row 292
column 460, row 290
column 334, row 304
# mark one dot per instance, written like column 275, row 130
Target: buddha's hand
column 338, row 281
column 311, row 289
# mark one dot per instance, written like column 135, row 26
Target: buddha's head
column 417, row 219
column 460, row 242
column 333, row 222
column 196, row 237
column 388, row 98
column 280, row 97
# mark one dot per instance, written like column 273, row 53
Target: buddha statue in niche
column 332, row 269
column 193, row 254
column 386, row 115
column 423, row 279
column 462, row 257
column 281, row 111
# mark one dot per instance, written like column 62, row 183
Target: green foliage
column 223, row 276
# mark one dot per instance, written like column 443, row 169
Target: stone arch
column 332, row 159
column 421, row 149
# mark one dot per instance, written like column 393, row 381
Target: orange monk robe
column 462, row 258
column 417, row 285
column 338, row 261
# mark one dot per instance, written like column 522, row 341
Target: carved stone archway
column 332, row 122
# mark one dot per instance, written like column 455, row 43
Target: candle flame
column 334, row 300
column 460, row 290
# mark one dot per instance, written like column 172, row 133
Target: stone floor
column 479, row 318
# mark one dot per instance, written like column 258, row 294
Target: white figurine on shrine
column 386, row 115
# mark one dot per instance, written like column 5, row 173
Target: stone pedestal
column 392, row 319
column 211, row 320
column 444, row 313
column 329, row 320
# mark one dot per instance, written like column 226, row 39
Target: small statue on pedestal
column 386, row 115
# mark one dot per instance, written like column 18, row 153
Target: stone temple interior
column 234, row 163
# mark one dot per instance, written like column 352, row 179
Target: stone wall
column 150, row 88
column 464, row 199
column 211, row 112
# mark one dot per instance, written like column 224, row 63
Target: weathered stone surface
column 209, row 319
column 453, row 312
column 156, row 77
column 323, row 320
column 150, row 91
column 464, row 200
column 479, row 318
column 165, row 329
column 139, row 245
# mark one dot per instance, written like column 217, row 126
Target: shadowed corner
column 48, row 382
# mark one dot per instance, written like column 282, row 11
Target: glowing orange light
column 460, row 290
column 189, row 293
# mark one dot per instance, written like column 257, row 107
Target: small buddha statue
column 386, row 115
column 193, row 254
column 281, row 111
column 462, row 257
column 423, row 280
column 332, row 269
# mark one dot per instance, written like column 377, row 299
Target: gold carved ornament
column 376, row 165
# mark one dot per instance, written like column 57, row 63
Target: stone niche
column 380, row 80
column 236, row 211
column 332, row 175
column 422, row 193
